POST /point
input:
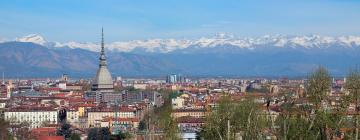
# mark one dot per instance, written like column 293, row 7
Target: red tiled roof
column 54, row 89
column 86, row 105
column 75, row 100
column 190, row 120
column 51, row 138
column 30, row 109
column 127, row 109
column 121, row 119
column 112, row 109
column 43, row 131
column 59, row 95
column 190, row 110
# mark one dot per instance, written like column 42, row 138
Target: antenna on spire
column 102, row 52
column 3, row 78
column 102, row 40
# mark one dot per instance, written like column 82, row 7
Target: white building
column 34, row 116
column 140, row 86
column 95, row 116
column 177, row 102
column 62, row 85
column 2, row 104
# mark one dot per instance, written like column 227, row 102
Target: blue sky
column 81, row 20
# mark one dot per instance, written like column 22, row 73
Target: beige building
column 140, row 86
column 72, row 117
column 177, row 102
column 35, row 116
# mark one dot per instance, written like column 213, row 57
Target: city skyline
column 179, row 70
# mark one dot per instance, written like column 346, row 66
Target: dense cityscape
column 179, row 107
column 179, row 70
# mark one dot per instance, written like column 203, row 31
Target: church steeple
column 102, row 52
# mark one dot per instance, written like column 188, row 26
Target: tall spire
column 102, row 40
column 102, row 52
column 103, row 80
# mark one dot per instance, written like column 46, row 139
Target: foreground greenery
column 244, row 118
column 160, row 119
column 4, row 133
column 164, row 118
column 104, row 133
column 311, row 121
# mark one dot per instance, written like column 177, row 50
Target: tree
column 62, row 115
column 121, row 136
column 102, row 133
column 170, row 128
column 22, row 131
column 318, row 86
column 167, row 122
column 321, row 120
column 313, row 121
column 198, row 134
column 92, row 134
column 352, row 85
column 244, row 118
column 64, row 130
column 294, row 127
column 161, row 117
column 142, row 125
column 75, row 136
column 4, row 132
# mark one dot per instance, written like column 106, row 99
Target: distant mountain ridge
column 26, row 59
column 203, row 43
column 222, row 55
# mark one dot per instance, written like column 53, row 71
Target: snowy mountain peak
column 223, row 40
column 34, row 38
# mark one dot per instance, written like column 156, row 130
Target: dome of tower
column 103, row 78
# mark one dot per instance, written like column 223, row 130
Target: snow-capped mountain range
column 220, row 39
column 222, row 54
